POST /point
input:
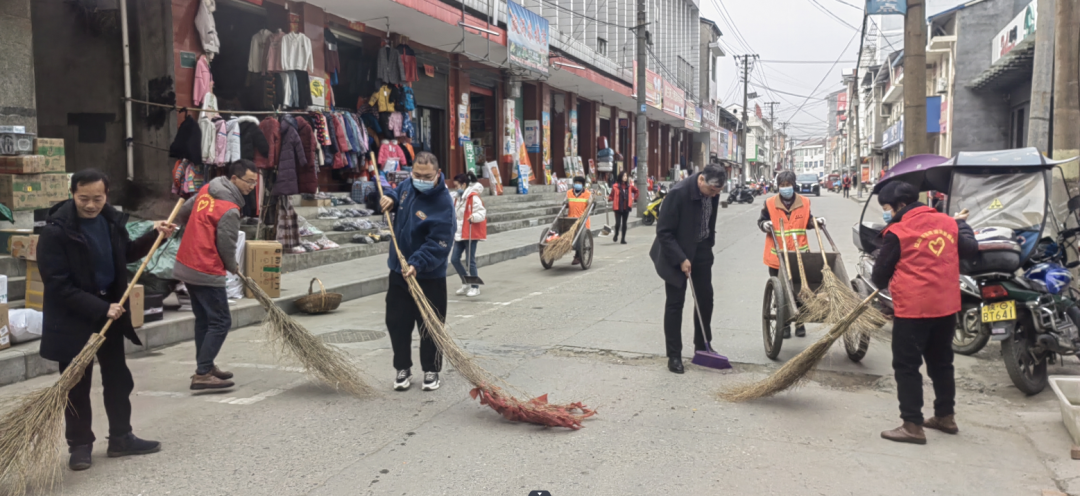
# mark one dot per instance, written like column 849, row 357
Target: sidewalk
column 354, row 279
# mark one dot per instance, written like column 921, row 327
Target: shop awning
column 1010, row 69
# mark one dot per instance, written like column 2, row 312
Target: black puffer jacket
column 252, row 139
column 292, row 157
column 188, row 142
column 73, row 311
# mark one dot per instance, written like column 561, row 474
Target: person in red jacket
column 623, row 195
column 919, row 262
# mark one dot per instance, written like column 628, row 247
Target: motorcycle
column 652, row 211
column 741, row 194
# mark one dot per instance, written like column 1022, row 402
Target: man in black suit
column 685, row 235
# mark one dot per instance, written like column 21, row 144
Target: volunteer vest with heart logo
column 198, row 250
column 926, row 283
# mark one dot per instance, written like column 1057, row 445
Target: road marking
column 228, row 400
column 263, row 366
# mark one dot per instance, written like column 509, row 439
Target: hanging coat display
column 292, row 157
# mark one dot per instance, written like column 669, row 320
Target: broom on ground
column 805, row 294
column 561, row 246
column 327, row 364
column 796, row 369
column 835, row 299
column 33, row 430
column 535, row 411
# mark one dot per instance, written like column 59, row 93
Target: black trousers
column 913, row 341
column 621, row 219
column 402, row 315
column 117, row 384
column 701, row 278
column 847, row 192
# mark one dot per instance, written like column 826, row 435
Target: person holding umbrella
column 919, row 262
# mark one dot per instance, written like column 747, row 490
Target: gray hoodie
column 228, row 230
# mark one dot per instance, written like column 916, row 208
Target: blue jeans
column 468, row 247
column 212, row 323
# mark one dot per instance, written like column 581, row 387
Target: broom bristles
column 328, row 364
column 32, row 431
column 560, row 247
column 795, row 370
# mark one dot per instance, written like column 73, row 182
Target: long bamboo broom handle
column 146, row 260
column 798, row 256
column 389, row 224
column 783, row 248
column 821, row 243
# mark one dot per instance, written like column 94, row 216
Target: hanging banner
column 528, row 39
column 674, row 100
column 879, row 7
column 572, row 148
column 693, row 116
column 463, row 121
column 654, row 87
column 532, row 136
column 318, row 91
column 546, row 121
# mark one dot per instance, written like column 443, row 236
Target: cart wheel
column 586, row 249
column 774, row 318
column 856, row 343
column 546, row 265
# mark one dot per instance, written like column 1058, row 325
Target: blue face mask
column 787, row 191
column 422, row 185
column 887, row 215
column 578, row 188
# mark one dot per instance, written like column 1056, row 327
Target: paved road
column 592, row 336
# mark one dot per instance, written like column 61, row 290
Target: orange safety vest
column 795, row 222
column 578, row 204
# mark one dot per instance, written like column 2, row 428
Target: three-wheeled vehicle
column 1018, row 290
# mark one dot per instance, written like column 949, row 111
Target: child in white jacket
column 471, row 229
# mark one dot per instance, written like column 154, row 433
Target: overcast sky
column 792, row 30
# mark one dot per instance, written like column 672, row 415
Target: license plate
column 997, row 312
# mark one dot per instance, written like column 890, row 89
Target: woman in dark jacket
column 83, row 255
column 292, row 157
column 623, row 195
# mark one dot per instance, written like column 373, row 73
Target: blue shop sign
column 893, row 136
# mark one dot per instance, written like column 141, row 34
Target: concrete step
column 494, row 216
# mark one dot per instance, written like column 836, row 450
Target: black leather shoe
column 787, row 332
column 800, row 331
column 674, row 364
column 80, row 457
column 128, row 444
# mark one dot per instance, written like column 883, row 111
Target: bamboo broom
column 32, row 432
column 805, row 294
column 795, row 370
column 536, row 411
column 835, row 299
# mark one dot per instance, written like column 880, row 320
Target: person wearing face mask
column 578, row 200
column 424, row 225
column 471, row 229
column 623, row 195
column 794, row 210
column 919, row 262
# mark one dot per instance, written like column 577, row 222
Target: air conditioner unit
column 942, row 85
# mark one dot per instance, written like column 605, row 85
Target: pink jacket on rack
column 389, row 151
column 220, row 142
column 203, row 81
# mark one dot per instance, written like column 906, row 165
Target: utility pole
column 772, row 126
column 1042, row 78
column 745, row 102
column 642, row 122
column 1067, row 87
column 854, row 99
column 915, row 79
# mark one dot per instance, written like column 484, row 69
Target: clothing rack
column 244, row 112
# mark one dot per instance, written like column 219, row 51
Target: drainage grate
column 351, row 336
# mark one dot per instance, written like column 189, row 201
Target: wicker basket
column 318, row 303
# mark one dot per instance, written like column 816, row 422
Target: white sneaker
column 473, row 292
column 463, row 290
column 402, row 382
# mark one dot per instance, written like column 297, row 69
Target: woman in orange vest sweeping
column 578, row 199
column 919, row 262
column 794, row 210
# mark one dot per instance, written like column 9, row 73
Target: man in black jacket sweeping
column 685, row 235
column 83, row 254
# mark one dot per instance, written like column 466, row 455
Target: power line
column 805, row 61
column 829, row 73
column 832, row 15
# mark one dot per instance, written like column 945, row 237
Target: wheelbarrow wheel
column 774, row 318
column 585, row 250
column 543, row 263
column 856, row 344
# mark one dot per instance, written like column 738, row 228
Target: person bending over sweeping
column 207, row 250
column 685, row 236
column 578, row 199
column 471, row 229
column 920, row 264
column 424, row 223
column 83, row 255
column 794, row 209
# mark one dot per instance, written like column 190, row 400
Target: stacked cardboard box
column 5, row 330
column 24, row 247
column 30, row 182
column 262, row 262
column 137, row 305
column 35, row 287
column 8, row 236
column 52, row 151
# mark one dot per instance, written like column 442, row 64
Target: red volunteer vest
column 198, row 248
column 926, row 283
column 472, row 230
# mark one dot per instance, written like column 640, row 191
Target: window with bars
column 601, row 46
column 685, row 73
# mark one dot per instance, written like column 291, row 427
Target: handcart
column 780, row 307
column 583, row 239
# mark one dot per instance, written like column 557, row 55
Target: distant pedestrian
column 471, row 229
column 577, row 202
column 83, row 256
column 207, row 251
column 623, row 196
column 847, row 186
column 685, row 236
column 425, row 227
column 919, row 263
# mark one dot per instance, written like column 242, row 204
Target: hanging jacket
column 372, row 121
column 253, row 143
column 408, row 99
column 470, row 214
column 380, row 100
column 308, row 175
column 221, row 140
column 204, row 81
column 388, row 68
column 258, row 51
column 291, row 159
column 232, row 153
column 188, row 141
column 407, row 127
column 204, row 24
column 271, row 130
column 211, row 221
column 389, row 151
column 208, row 131
column 395, row 124
column 273, row 52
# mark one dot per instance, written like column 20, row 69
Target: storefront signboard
column 532, row 135
column 654, row 88
column 528, row 38
column 1022, row 26
column 879, row 7
column 893, row 136
column 187, row 60
column 674, row 100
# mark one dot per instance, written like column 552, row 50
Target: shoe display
column 402, row 382
column 431, row 381
column 128, row 444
